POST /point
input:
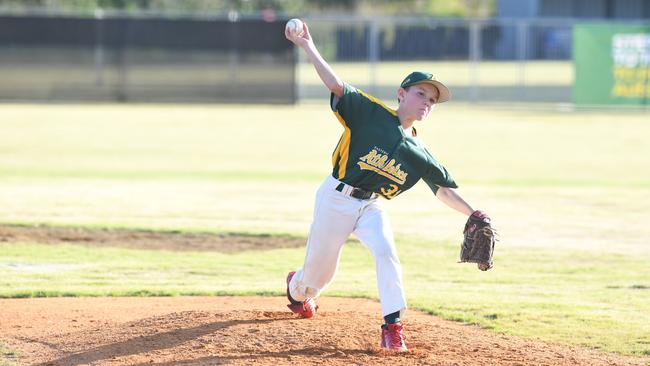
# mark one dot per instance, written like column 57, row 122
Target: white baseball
column 295, row 27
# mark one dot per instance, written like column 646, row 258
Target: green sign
column 612, row 64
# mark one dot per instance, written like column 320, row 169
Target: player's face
column 418, row 100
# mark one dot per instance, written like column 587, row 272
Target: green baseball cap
column 418, row 77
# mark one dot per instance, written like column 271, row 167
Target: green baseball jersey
column 375, row 154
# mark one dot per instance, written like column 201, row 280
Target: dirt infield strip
column 145, row 239
column 253, row 330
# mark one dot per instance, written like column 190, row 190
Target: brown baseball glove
column 478, row 242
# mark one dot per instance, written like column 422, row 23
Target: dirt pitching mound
column 146, row 239
column 253, row 330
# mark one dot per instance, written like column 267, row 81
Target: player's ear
column 401, row 92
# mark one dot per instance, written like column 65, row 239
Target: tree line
column 441, row 8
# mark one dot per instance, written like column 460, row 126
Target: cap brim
column 445, row 94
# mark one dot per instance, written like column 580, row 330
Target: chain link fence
column 145, row 59
column 231, row 58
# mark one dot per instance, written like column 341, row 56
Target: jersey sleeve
column 435, row 175
column 351, row 107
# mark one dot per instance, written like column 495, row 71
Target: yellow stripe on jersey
column 373, row 99
column 343, row 149
column 337, row 152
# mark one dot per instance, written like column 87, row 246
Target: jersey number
column 390, row 193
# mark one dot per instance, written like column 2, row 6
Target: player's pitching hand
column 301, row 39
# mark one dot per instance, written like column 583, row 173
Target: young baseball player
column 378, row 155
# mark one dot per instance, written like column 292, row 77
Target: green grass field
column 568, row 192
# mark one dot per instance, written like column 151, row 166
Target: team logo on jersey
column 380, row 164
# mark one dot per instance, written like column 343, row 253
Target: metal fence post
column 233, row 52
column 522, row 52
column 373, row 53
column 99, row 47
column 474, row 57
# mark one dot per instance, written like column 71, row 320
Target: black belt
column 356, row 192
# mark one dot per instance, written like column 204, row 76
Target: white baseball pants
column 336, row 216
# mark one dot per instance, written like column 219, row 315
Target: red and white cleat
column 305, row 309
column 392, row 337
